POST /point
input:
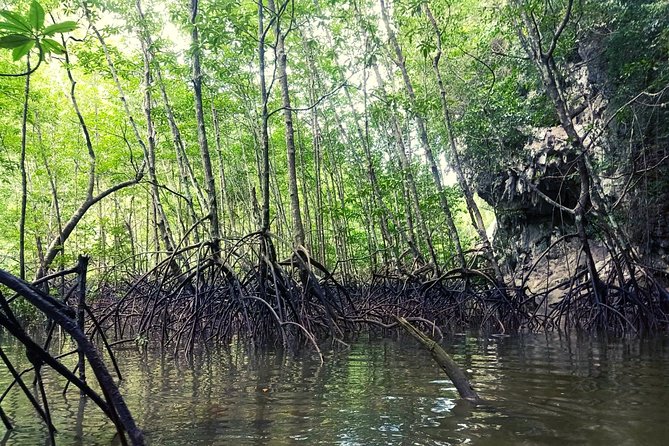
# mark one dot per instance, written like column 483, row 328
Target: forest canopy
column 372, row 136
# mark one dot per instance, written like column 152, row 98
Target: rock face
column 527, row 222
column 530, row 198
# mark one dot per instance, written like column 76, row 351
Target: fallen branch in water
column 455, row 373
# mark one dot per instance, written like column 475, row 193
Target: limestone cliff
column 531, row 196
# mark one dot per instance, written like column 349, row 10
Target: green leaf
column 6, row 26
column 14, row 40
column 51, row 46
column 36, row 15
column 62, row 27
column 22, row 50
column 16, row 20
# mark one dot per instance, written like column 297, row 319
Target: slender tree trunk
column 371, row 174
column 543, row 60
column 264, row 116
column 409, row 181
column 102, row 230
column 316, row 142
column 283, row 226
column 162, row 225
column 117, row 82
column 24, row 177
column 316, row 137
column 209, row 179
column 267, row 250
column 453, row 371
column 57, row 243
column 52, row 184
column 298, row 228
column 308, row 231
column 319, row 243
column 408, row 216
column 132, row 237
column 422, row 134
column 337, row 198
column 474, row 212
column 372, row 240
column 187, row 176
column 226, row 208
column 363, row 139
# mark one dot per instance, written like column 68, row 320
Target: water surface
column 541, row 390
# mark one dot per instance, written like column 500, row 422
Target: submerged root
column 243, row 292
column 268, row 302
column 214, row 296
column 297, row 301
column 109, row 400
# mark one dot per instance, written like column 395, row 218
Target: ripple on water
column 541, row 390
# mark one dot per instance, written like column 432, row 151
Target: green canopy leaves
column 26, row 33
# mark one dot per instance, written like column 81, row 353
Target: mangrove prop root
column 455, row 373
column 116, row 408
column 247, row 294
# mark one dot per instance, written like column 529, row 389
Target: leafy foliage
column 341, row 111
column 23, row 33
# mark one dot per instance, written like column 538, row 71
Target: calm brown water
column 542, row 390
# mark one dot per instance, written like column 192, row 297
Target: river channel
column 554, row 389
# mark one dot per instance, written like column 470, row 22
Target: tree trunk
column 264, row 116
column 226, row 208
column 308, row 231
column 543, row 60
column 187, row 176
column 52, row 184
column 162, row 225
column 337, row 199
column 24, row 177
column 457, row 165
column 57, row 243
column 209, row 179
column 298, row 228
column 422, row 134
column 316, row 141
column 454, row 372
column 115, row 406
column 409, row 181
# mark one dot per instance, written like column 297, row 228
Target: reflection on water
column 541, row 390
